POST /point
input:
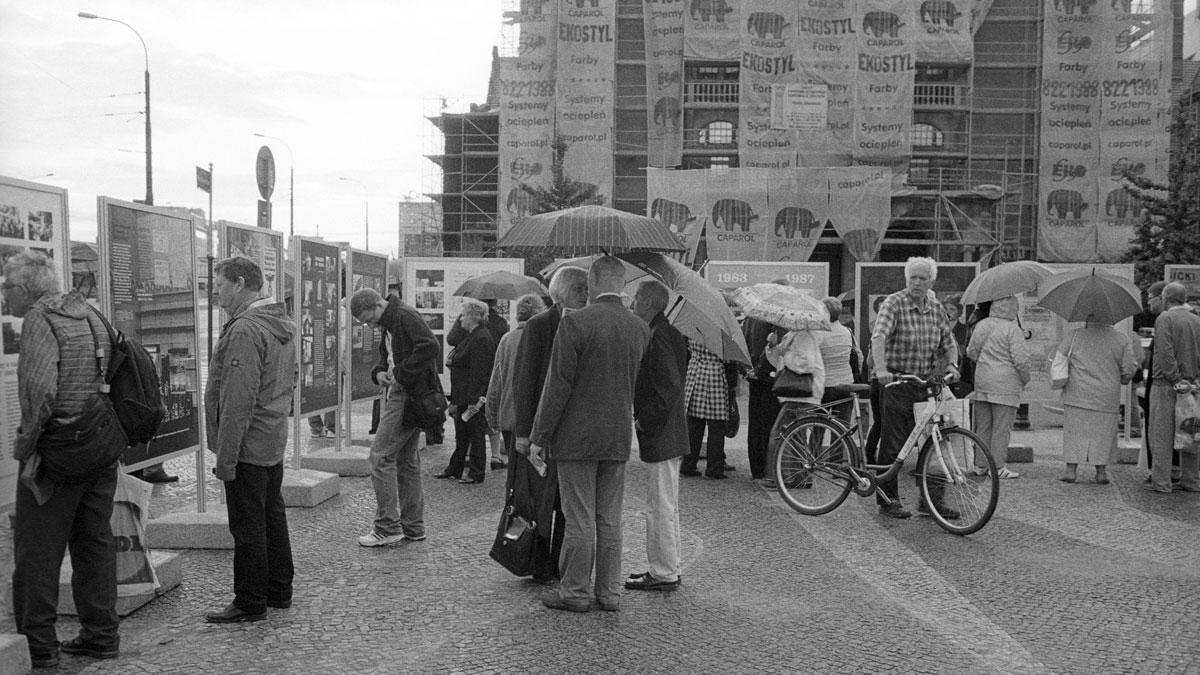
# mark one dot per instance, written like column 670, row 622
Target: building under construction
column 972, row 188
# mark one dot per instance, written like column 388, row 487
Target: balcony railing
column 941, row 95
column 710, row 93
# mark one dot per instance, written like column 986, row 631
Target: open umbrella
column 697, row 309
column 500, row 285
column 1090, row 294
column 791, row 308
column 1005, row 279
column 586, row 230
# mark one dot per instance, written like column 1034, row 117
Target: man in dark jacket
column 249, row 395
column 395, row 464
column 56, row 375
column 662, row 434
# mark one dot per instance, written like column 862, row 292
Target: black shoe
column 946, row 512
column 157, row 476
column 689, row 472
column 715, row 476
column 470, row 481
column 646, row 582
column 232, row 614
column 279, row 604
column 47, row 660
column 499, row 464
column 78, row 647
column 895, row 510
column 445, row 474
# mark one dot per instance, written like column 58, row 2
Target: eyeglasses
column 8, row 286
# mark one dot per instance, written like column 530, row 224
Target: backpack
column 132, row 385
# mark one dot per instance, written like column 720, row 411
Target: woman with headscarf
column 1001, row 357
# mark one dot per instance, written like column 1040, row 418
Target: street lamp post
column 366, row 209
column 291, row 183
column 146, row 53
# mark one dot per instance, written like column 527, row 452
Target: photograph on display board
column 41, row 226
column 264, row 247
column 369, row 270
column 11, row 225
column 434, row 321
column 320, row 270
column 431, row 278
column 429, row 300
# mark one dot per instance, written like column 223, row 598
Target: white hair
column 921, row 261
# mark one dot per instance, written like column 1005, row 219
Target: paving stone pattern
column 1078, row 578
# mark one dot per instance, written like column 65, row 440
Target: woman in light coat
column 800, row 352
column 1101, row 362
column 1001, row 357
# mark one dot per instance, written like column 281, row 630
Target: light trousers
column 993, row 423
column 592, row 493
column 662, row 518
column 396, row 472
column 1162, row 441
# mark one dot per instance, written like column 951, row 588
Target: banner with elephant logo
column 772, row 215
column 1105, row 98
column 663, row 30
column 711, row 29
column 527, row 84
column 884, row 84
column 979, row 12
column 586, row 56
column 945, row 33
column 768, row 59
column 827, row 52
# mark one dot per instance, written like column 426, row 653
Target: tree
column 564, row 192
column 1169, row 232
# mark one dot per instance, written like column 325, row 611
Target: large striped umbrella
column 586, row 230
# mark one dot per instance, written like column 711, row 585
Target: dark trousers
column 79, row 518
column 762, row 411
column 876, row 396
column 262, row 548
column 716, row 445
column 470, row 447
column 898, row 423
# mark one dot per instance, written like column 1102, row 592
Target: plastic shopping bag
column 135, row 573
column 1187, row 422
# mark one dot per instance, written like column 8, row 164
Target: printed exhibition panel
column 261, row 245
column 730, row 274
column 1046, row 330
column 1105, row 111
column 887, row 66
column 318, row 285
column 873, row 282
column 1189, row 276
column 711, row 29
column 587, row 56
column 367, row 270
column 150, row 295
column 769, row 45
column 662, row 27
column 430, row 283
column 527, row 82
column 33, row 217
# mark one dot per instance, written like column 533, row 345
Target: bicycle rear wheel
column 810, row 465
column 958, row 499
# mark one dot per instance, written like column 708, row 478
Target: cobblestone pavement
column 1078, row 578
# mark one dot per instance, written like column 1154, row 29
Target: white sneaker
column 376, row 539
column 1007, row 473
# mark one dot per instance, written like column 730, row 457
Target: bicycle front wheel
column 958, row 481
column 810, row 465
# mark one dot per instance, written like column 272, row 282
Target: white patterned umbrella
column 791, row 308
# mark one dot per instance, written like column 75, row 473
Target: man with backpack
column 250, row 384
column 58, row 377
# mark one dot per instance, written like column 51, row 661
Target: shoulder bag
column 790, row 384
column 1059, row 366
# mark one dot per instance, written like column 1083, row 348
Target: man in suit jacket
column 568, row 290
column 662, row 435
column 585, row 419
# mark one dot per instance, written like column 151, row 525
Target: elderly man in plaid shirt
column 912, row 336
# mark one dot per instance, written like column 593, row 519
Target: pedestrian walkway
column 1078, row 578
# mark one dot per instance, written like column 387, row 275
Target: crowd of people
column 560, row 398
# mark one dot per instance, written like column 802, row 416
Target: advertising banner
column 730, row 274
column 873, row 282
column 663, row 30
column 768, row 39
column 586, row 57
column 317, row 269
column 797, row 213
column 827, row 53
column 367, row 270
column 32, row 217
column 711, row 29
column 737, row 230
column 861, row 200
column 430, row 283
column 679, row 200
column 149, row 294
column 884, row 84
column 527, row 95
column 1189, row 276
column 264, row 247
column 944, row 34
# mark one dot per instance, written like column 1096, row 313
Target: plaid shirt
column 705, row 388
column 916, row 339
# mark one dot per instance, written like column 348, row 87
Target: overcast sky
column 346, row 84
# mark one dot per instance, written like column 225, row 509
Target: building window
column 927, row 136
column 719, row 132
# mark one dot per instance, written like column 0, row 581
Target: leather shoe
column 279, row 604
column 444, row 474
column 47, row 660
column 157, row 476
column 554, row 601
column 78, row 647
column 895, row 510
column 689, row 472
column 646, row 582
column 470, row 481
column 234, row 614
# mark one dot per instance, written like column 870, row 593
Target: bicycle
column 819, row 462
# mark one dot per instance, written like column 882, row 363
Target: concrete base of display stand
column 351, row 461
column 191, row 529
column 307, row 488
column 1021, row 454
column 168, row 567
column 14, row 654
column 1128, row 451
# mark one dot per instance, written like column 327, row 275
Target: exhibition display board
column 1189, row 276
column 873, row 282
column 149, row 294
column 317, row 273
column 263, row 246
column 366, row 270
column 430, row 283
column 730, row 274
column 32, row 217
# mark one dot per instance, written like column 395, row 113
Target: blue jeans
column 396, row 472
column 592, row 494
column 262, row 547
column 78, row 517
